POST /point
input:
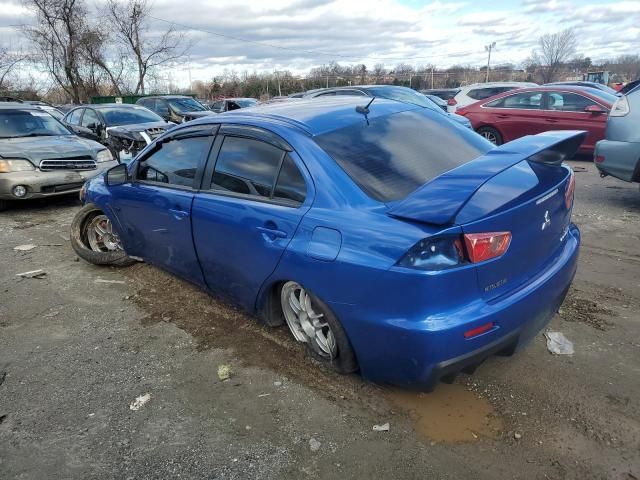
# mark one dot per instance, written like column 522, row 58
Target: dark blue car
column 388, row 239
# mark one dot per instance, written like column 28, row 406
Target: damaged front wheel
column 94, row 239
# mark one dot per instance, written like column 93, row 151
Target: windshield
column 391, row 156
column 186, row 105
column 29, row 123
column 128, row 116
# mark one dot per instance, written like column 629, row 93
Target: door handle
column 502, row 115
column 552, row 120
column 178, row 214
column 272, row 232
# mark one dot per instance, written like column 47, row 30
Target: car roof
column 313, row 116
column 165, row 96
column 113, row 105
column 17, row 106
column 499, row 84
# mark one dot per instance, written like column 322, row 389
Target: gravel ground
column 79, row 345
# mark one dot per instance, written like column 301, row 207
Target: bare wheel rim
column 490, row 136
column 307, row 324
column 100, row 235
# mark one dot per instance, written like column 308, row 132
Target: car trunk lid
column 519, row 189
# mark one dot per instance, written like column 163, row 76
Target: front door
column 253, row 197
column 154, row 211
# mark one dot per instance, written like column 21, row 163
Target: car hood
column 42, row 148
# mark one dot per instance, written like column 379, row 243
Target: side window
column 568, row 102
column 74, row 118
column 328, row 94
column 90, row 118
column 246, row 166
column 480, row 93
column 290, row 185
column 161, row 107
column 176, row 162
column 527, row 101
column 217, row 107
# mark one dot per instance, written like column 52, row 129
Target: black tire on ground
column 345, row 362
column 4, row 204
column 491, row 134
column 80, row 245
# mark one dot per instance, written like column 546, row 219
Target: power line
column 299, row 50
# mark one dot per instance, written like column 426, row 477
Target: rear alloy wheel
column 311, row 322
column 94, row 239
column 491, row 134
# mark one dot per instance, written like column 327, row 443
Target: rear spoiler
column 439, row 201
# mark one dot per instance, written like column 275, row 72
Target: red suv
column 528, row 111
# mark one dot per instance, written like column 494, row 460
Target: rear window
column 391, row 156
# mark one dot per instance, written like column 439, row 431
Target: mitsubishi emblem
column 547, row 220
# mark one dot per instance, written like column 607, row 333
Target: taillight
column 485, row 246
column 599, row 159
column 571, row 188
column 437, row 253
column 452, row 102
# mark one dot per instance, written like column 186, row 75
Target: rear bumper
column 48, row 184
column 417, row 353
column 618, row 159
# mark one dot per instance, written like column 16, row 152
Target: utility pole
column 488, row 48
column 432, row 77
column 327, row 81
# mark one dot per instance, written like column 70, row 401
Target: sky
column 296, row 35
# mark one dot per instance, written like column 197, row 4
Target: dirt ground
column 79, row 345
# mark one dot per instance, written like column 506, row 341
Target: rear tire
column 490, row 134
column 89, row 245
column 313, row 323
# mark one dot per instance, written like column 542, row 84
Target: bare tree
column 131, row 25
column 9, row 61
column 57, row 36
column 554, row 49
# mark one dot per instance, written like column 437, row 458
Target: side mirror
column 594, row 109
column 118, row 175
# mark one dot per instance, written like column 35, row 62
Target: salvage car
column 230, row 104
column 40, row 157
column 124, row 129
column 175, row 108
column 528, row 111
column 387, row 240
column 618, row 154
column 391, row 92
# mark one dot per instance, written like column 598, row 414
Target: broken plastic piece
column 558, row 344
column 381, row 428
column 140, row 401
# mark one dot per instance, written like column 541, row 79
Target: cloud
column 297, row 35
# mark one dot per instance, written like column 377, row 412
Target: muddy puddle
column 449, row 414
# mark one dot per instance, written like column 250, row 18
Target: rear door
column 254, row 193
column 566, row 111
column 518, row 115
column 155, row 209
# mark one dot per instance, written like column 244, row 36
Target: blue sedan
column 389, row 240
